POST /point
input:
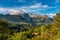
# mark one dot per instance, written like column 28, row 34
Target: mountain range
column 25, row 18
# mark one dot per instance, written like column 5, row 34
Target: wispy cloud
column 37, row 5
column 36, row 8
column 9, row 10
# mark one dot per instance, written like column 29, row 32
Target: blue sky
column 42, row 7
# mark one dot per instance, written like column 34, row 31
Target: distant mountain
column 41, row 19
column 26, row 18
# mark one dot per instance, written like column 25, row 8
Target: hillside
column 50, row 31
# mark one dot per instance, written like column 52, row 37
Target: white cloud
column 52, row 14
column 5, row 9
column 34, row 8
column 37, row 5
column 11, row 10
column 16, row 11
column 28, row 9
